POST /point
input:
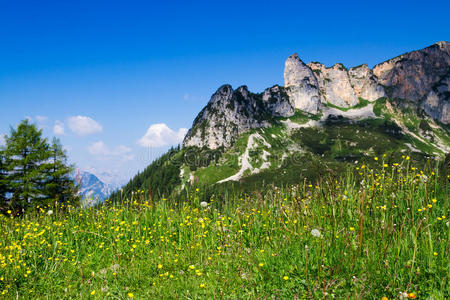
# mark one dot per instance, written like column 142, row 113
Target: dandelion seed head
column 315, row 233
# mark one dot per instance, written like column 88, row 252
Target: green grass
column 383, row 232
column 301, row 117
column 414, row 122
column 213, row 173
column 361, row 103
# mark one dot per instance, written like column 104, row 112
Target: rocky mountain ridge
column 419, row 78
column 232, row 112
column 91, row 188
column 324, row 121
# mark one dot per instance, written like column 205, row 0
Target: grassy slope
column 383, row 232
column 341, row 141
column 304, row 153
column 332, row 147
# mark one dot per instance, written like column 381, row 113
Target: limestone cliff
column 365, row 83
column 301, row 85
column 334, row 84
column 412, row 75
column 422, row 77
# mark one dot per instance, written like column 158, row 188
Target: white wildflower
column 423, row 178
column 50, row 212
column 203, row 204
column 315, row 232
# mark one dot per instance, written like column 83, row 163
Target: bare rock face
column 437, row 102
column 301, row 85
column 420, row 76
column 334, row 84
column 232, row 112
column 365, row 83
column 276, row 101
column 412, row 75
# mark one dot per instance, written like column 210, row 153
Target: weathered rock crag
column 422, row 77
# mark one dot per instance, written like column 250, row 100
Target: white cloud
column 159, row 135
column 2, row 139
column 186, row 96
column 102, row 151
column 121, row 149
column 82, row 125
column 41, row 119
column 58, row 128
column 99, row 148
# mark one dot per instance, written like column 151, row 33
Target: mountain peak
column 443, row 44
column 295, row 71
column 422, row 77
column 92, row 188
column 225, row 89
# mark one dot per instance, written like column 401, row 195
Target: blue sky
column 104, row 72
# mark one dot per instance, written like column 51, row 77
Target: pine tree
column 32, row 172
column 3, row 186
column 59, row 187
column 25, row 156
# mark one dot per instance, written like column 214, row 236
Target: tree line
column 33, row 172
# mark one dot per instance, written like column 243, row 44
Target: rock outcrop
column 301, row 85
column 343, row 87
column 334, row 85
column 277, row 102
column 232, row 112
column 437, row 102
column 412, row 75
column 365, row 83
column 422, row 77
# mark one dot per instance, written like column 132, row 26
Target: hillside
column 319, row 122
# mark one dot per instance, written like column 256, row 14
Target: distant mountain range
column 319, row 122
column 96, row 187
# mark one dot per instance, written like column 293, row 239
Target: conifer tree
column 3, row 186
column 26, row 155
column 59, row 187
column 32, row 172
